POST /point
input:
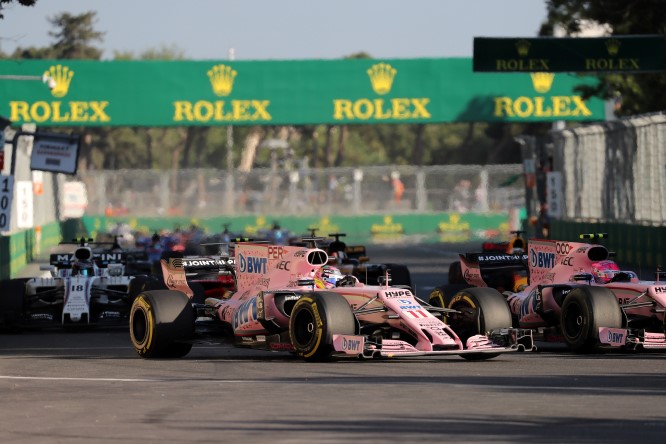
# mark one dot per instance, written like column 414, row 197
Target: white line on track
column 602, row 390
column 51, row 378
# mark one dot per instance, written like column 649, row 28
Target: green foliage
column 4, row 3
column 634, row 93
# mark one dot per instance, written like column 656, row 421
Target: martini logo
column 73, row 111
column 222, row 79
column 526, row 107
column 62, row 76
column 382, row 76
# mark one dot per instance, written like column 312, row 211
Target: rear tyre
column 159, row 321
column 481, row 310
column 584, row 310
column 12, row 297
column 316, row 317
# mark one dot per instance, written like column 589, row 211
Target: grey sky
column 288, row 29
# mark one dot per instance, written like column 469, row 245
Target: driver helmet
column 327, row 277
column 604, row 271
column 83, row 268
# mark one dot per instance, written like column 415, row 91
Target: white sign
column 58, row 155
column 74, row 200
column 554, row 194
column 6, row 196
column 24, row 207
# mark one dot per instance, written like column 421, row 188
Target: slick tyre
column 442, row 295
column 479, row 311
column 160, row 323
column 143, row 283
column 584, row 310
column 12, row 297
column 316, row 317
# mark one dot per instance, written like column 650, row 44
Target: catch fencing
column 611, row 172
column 327, row 191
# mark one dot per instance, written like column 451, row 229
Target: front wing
column 498, row 341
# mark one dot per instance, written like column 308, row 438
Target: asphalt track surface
column 90, row 386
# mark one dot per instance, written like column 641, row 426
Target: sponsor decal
column 660, row 289
column 300, row 253
column 541, row 259
column 503, row 258
column 222, row 79
column 58, row 111
column 246, row 313
column 397, row 293
column 581, row 249
column 615, row 337
column 348, row 344
column 562, row 248
column 283, row 265
column 381, row 77
column 281, row 346
column 275, row 252
column 41, row 317
column 252, row 264
column 567, row 261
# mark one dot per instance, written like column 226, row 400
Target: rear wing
column 478, row 268
column 355, row 251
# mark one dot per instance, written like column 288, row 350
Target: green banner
column 206, row 93
column 632, row 53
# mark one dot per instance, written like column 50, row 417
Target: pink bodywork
column 265, row 271
column 557, row 262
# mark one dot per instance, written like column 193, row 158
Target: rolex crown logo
column 523, row 47
column 62, row 77
column 542, row 81
column 381, row 77
column 222, row 79
column 613, row 46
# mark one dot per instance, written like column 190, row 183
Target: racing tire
column 315, row 318
column 160, row 323
column 399, row 275
column 584, row 310
column 481, row 310
column 442, row 295
column 455, row 274
column 142, row 283
column 12, row 297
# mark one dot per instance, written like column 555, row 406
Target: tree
column 3, row 4
column 639, row 93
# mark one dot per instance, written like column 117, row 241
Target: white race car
column 84, row 288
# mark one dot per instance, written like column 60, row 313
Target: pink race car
column 288, row 299
column 579, row 296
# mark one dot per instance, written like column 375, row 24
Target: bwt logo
column 541, row 259
column 252, row 264
column 351, row 344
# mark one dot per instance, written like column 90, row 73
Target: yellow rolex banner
column 288, row 92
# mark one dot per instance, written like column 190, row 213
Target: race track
column 89, row 386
